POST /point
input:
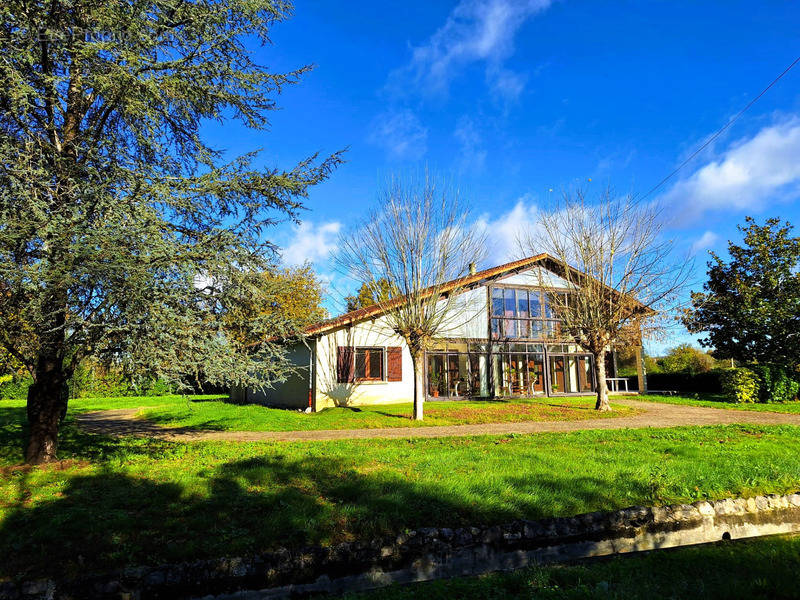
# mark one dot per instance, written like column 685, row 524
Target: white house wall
column 537, row 276
column 329, row 392
column 468, row 315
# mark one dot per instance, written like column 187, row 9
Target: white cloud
column 475, row 31
column 311, row 243
column 504, row 231
column 472, row 155
column 506, row 85
column 704, row 242
column 750, row 174
column 401, row 134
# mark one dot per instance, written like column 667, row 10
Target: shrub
column 778, row 383
column 740, row 385
column 14, row 388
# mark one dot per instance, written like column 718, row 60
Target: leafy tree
column 685, row 358
column 123, row 234
column 370, row 293
column 290, row 298
column 750, row 306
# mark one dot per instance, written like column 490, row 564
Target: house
column 503, row 341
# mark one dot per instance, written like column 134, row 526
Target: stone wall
column 431, row 553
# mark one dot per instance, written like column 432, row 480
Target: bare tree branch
column 620, row 269
column 416, row 240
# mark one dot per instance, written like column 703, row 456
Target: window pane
column 496, row 329
column 510, row 303
column 522, row 328
column 522, row 303
column 497, row 302
column 537, row 331
column 550, row 329
column 535, row 306
column 375, row 364
column 548, row 310
column 571, row 375
column 436, row 374
column 361, row 363
column 510, row 328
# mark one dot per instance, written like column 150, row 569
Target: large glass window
column 570, row 370
column 518, row 370
column 519, row 313
column 458, row 370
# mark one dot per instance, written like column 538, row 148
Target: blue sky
column 511, row 99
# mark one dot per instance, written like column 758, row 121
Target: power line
column 721, row 130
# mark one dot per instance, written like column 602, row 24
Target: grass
column 763, row 568
column 717, row 401
column 116, row 502
column 222, row 415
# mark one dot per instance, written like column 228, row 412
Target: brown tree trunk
column 602, row 386
column 419, row 384
column 47, row 407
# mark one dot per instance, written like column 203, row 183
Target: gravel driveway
column 123, row 422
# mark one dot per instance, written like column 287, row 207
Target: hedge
column 777, row 383
column 685, row 382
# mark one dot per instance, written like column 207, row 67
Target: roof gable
column 466, row 282
column 506, row 272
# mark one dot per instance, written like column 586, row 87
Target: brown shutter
column 394, row 362
column 344, row 364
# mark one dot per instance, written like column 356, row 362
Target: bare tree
column 618, row 265
column 417, row 240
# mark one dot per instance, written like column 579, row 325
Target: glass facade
column 520, row 313
column 475, row 370
column 523, row 359
column 458, row 370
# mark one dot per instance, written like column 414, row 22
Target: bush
column 778, row 383
column 14, row 388
column 740, row 385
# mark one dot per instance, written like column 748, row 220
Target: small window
column 369, row 364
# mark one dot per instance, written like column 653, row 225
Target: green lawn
column 222, row 415
column 115, row 502
column 717, row 401
column 763, row 568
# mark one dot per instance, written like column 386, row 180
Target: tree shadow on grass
column 74, row 443
column 109, row 518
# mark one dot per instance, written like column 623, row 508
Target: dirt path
column 124, row 422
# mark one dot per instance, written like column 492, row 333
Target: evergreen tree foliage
column 123, row 234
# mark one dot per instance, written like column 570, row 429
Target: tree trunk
column 47, row 407
column 602, row 386
column 419, row 384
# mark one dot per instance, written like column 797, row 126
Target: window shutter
column 394, row 363
column 344, row 364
